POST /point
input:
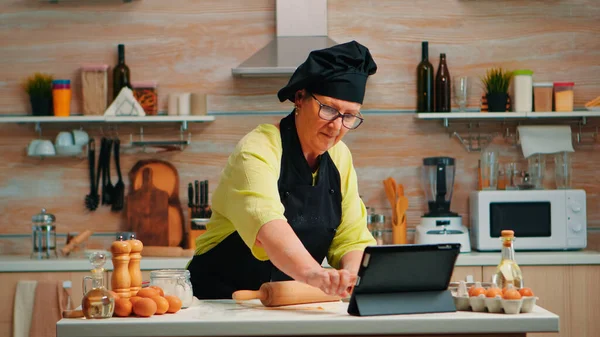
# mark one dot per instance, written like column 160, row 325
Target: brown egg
column 174, row 303
column 159, row 289
column 134, row 299
column 147, row 292
column 492, row 292
column 477, row 291
column 511, row 294
column 162, row 305
column 526, row 292
column 144, row 307
column 123, row 307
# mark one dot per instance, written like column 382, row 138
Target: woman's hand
column 332, row 281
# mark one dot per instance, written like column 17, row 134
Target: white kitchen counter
column 10, row 263
column 227, row 318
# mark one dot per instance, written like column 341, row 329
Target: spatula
column 92, row 199
column 118, row 197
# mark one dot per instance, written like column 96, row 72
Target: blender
column 440, row 225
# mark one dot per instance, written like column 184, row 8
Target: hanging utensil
column 118, row 196
column 101, row 169
column 109, row 188
column 92, row 199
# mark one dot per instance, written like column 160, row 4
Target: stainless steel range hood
column 301, row 28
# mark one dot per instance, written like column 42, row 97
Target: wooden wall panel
column 192, row 46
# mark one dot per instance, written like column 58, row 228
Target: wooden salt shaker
column 120, row 280
column 135, row 273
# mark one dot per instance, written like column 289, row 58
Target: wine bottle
column 121, row 77
column 425, row 81
column 442, row 86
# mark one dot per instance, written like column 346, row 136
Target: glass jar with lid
column 43, row 236
column 174, row 282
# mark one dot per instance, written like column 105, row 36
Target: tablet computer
column 397, row 279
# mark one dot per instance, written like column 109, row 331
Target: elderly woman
column 288, row 197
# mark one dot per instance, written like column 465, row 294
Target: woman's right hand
column 332, row 281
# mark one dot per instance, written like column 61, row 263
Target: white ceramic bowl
column 80, row 137
column 45, row 148
column 32, row 147
column 70, row 150
column 64, row 138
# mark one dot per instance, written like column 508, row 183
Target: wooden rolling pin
column 274, row 294
column 76, row 240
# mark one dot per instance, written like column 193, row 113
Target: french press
column 43, row 236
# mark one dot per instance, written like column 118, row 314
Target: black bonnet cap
column 340, row 72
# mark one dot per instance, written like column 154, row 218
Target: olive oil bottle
column 508, row 271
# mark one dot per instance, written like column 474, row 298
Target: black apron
column 314, row 213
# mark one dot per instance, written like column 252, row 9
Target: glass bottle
column 425, row 81
column 98, row 301
column 121, row 77
column 442, row 86
column 508, row 271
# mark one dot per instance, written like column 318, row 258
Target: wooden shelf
column 184, row 120
column 105, row 119
column 505, row 115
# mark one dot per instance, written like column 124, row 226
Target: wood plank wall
column 192, row 45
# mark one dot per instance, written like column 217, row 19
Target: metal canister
column 43, row 235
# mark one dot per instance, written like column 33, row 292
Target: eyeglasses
column 349, row 120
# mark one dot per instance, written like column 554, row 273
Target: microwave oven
column 541, row 219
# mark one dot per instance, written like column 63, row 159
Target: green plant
column 39, row 84
column 497, row 80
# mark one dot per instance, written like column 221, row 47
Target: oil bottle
column 508, row 271
column 97, row 302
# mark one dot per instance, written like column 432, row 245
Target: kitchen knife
column 191, row 199
column 197, row 198
column 201, row 203
column 205, row 206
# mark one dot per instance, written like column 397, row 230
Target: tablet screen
column 406, row 268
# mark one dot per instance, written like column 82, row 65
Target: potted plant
column 39, row 88
column 496, row 83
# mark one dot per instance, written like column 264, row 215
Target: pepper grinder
column 135, row 273
column 121, row 281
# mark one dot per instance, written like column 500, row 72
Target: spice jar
column 563, row 96
column 542, row 96
column 61, row 97
column 522, row 90
column 174, row 282
column 94, row 88
column 146, row 94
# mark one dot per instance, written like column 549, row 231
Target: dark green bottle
column 425, row 81
column 121, row 77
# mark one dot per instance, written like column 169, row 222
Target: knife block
column 198, row 227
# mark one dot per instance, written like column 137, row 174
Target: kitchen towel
column 23, row 309
column 125, row 105
column 50, row 301
column 545, row 139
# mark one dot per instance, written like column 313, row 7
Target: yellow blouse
column 247, row 197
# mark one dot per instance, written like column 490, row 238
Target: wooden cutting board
column 148, row 212
column 166, row 178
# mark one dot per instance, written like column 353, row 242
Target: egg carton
column 496, row 304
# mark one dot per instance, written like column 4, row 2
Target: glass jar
column 146, row 94
column 523, row 90
column 563, row 96
column 542, row 96
column 174, row 282
column 94, row 88
column 97, row 301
